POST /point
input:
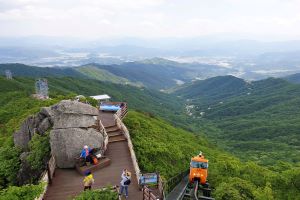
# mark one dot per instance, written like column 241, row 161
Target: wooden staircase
column 115, row 134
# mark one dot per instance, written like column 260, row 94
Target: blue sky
column 91, row 19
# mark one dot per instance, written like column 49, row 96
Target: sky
column 94, row 19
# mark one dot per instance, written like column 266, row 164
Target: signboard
column 150, row 178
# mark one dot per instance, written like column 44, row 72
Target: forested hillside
column 37, row 72
column 16, row 104
column 164, row 148
column 101, row 75
column 258, row 121
column 294, row 78
column 151, row 75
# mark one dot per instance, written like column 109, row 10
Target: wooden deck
column 67, row 183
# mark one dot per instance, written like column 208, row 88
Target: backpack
column 127, row 182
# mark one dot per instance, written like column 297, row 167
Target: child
column 88, row 181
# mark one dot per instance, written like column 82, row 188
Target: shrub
column 26, row 192
column 39, row 151
column 105, row 194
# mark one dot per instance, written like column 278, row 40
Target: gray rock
column 66, row 144
column 21, row 140
column 44, row 126
column 74, row 121
column 26, row 132
column 47, row 112
column 74, row 107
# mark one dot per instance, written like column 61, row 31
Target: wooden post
column 49, row 173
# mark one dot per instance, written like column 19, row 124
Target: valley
column 240, row 125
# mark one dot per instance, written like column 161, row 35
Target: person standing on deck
column 88, row 181
column 125, row 182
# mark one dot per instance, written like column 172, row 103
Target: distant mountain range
column 248, row 59
column 155, row 73
column 294, row 78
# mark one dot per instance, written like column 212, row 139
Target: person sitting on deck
column 86, row 154
column 88, row 181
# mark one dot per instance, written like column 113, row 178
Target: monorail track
column 194, row 192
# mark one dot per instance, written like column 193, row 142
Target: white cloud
column 149, row 18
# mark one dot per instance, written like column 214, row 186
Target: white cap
column 85, row 147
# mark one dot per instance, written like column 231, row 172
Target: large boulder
column 75, row 107
column 74, row 121
column 74, row 125
column 66, row 144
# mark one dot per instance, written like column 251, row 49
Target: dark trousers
column 124, row 187
column 87, row 188
column 89, row 159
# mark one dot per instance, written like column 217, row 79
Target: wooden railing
column 47, row 176
column 121, row 125
column 123, row 111
column 156, row 186
column 104, row 134
column 148, row 194
column 161, row 188
column 51, row 166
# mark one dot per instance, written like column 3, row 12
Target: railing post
column 49, row 173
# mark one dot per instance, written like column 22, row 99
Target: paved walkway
column 67, row 183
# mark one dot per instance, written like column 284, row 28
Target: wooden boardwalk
column 67, row 183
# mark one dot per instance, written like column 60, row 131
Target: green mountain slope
column 31, row 71
column 294, row 78
column 151, row 75
column 161, row 147
column 214, row 89
column 101, row 75
column 153, row 137
column 258, row 121
column 16, row 104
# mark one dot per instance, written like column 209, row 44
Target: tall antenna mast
column 41, row 88
column 8, row 74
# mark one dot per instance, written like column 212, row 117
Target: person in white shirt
column 125, row 182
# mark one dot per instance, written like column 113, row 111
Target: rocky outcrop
column 27, row 130
column 38, row 123
column 73, row 125
column 74, row 121
column 66, row 144
column 74, row 107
